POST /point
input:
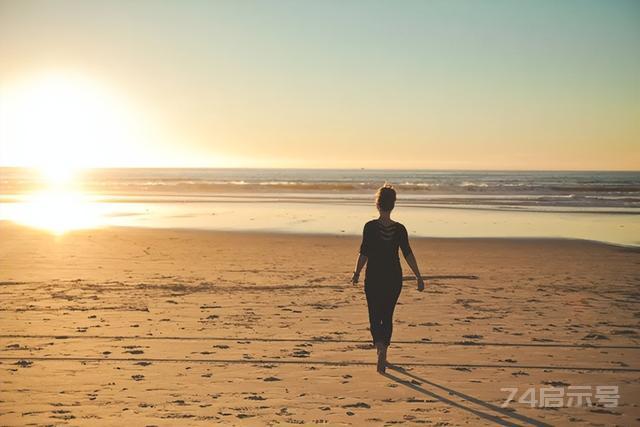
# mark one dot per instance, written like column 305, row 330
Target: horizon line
column 334, row 169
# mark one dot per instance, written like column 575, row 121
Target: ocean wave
column 619, row 189
column 451, row 187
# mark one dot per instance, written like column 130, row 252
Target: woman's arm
column 362, row 260
column 413, row 264
column 410, row 258
column 364, row 254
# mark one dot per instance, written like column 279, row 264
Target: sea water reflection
column 64, row 211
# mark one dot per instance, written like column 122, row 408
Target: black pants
column 382, row 297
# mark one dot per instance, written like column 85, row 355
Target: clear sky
column 541, row 84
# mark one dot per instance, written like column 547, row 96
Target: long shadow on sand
column 485, row 415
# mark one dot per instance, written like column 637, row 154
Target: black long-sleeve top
column 380, row 244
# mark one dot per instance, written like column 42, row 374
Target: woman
column 381, row 239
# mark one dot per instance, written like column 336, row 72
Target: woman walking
column 381, row 239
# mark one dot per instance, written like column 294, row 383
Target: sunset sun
column 58, row 122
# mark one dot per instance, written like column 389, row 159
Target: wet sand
column 165, row 327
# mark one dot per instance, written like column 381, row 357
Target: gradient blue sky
column 392, row 84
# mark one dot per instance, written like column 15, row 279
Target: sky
column 531, row 84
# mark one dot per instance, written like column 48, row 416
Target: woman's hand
column 362, row 260
column 411, row 260
column 355, row 278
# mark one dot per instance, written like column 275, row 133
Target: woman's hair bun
column 386, row 197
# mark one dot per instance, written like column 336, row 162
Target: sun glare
column 60, row 121
column 57, row 123
column 57, row 176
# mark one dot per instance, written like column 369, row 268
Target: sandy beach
column 164, row 327
column 189, row 191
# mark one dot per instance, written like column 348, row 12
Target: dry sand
column 173, row 327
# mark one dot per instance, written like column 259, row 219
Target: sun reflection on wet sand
column 56, row 210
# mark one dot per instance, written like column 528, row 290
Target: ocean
column 602, row 206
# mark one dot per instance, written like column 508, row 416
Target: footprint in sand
column 300, row 353
column 255, row 397
column 16, row 347
column 62, row 414
column 472, row 337
column 242, row 416
column 133, row 349
column 221, row 346
column 357, row 405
